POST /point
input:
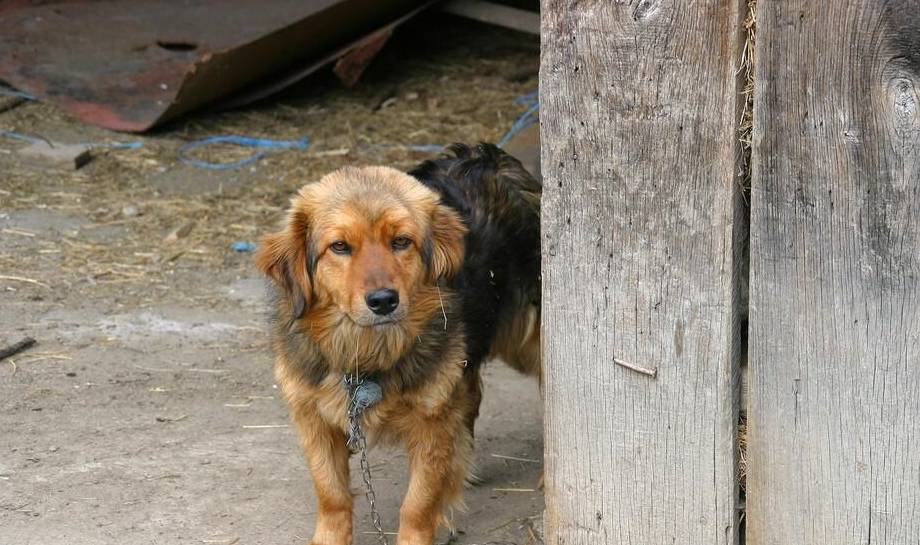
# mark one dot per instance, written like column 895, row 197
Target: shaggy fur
column 458, row 240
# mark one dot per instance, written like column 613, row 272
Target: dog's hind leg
column 473, row 400
column 327, row 455
column 473, row 383
column 517, row 342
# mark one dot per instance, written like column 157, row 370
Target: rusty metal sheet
column 130, row 65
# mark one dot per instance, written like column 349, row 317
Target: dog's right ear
column 283, row 257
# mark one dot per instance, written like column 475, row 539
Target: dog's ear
column 444, row 248
column 283, row 257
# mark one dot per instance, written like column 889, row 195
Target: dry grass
column 746, row 127
column 437, row 83
column 745, row 136
column 742, row 452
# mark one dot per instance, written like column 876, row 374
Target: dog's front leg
column 440, row 449
column 327, row 455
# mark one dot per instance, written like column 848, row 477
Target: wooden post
column 639, row 107
column 834, row 420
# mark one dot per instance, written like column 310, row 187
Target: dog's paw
column 315, row 541
column 342, row 539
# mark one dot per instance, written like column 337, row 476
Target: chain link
column 357, row 442
column 361, row 395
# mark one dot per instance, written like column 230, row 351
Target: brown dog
column 410, row 281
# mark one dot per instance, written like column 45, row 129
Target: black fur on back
column 499, row 201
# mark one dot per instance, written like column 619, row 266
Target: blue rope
column 95, row 145
column 428, row 148
column 23, row 137
column 114, row 145
column 302, row 144
column 528, row 118
column 14, row 93
column 243, row 246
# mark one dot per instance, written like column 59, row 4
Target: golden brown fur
column 418, row 353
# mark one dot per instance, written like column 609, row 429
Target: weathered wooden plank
column 834, row 419
column 638, row 109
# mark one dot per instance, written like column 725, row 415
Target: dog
column 411, row 281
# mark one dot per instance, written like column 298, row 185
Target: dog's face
column 361, row 244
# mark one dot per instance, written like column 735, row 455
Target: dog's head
column 360, row 244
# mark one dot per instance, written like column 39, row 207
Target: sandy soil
column 147, row 413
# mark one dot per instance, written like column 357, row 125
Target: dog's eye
column 401, row 243
column 340, row 247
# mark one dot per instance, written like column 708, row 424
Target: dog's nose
column 383, row 301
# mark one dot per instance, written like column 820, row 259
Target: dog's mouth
column 385, row 321
column 374, row 321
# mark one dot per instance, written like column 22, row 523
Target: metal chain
column 357, row 442
column 361, row 395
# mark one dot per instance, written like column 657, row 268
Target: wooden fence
column 644, row 230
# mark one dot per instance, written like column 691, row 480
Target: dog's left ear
column 444, row 248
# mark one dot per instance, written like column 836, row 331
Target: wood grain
column 834, row 419
column 638, row 109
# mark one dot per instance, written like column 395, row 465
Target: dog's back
column 499, row 283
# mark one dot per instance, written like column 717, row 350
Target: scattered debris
column 16, row 347
column 515, row 458
column 43, row 356
column 331, row 152
column 130, row 211
column 64, row 156
column 42, row 152
column 180, row 232
column 387, row 103
column 386, row 93
column 18, row 232
column 351, row 65
column 243, row 246
column 167, row 419
column 24, row 279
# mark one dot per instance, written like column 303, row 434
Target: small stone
column 65, row 156
column 130, row 211
column 243, row 246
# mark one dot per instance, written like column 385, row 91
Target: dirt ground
column 147, row 412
